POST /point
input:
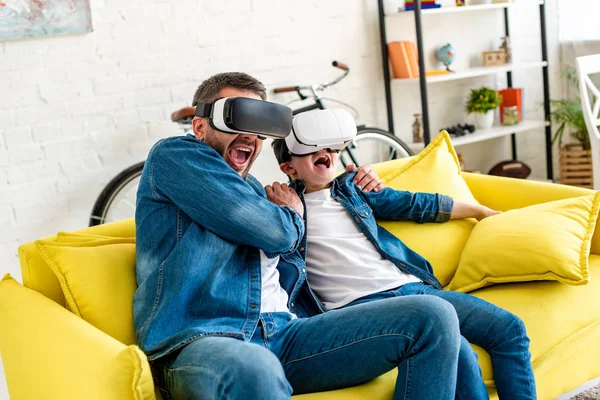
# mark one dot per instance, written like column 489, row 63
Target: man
column 215, row 315
column 351, row 261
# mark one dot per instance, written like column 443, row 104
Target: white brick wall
column 75, row 110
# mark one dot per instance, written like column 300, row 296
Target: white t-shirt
column 342, row 265
column 273, row 297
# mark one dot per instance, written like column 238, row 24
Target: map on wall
column 31, row 18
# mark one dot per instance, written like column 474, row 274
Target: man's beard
column 220, row 148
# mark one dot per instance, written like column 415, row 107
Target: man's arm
column 199, row 181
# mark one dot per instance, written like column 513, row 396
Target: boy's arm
column 463, row 210
column 400, row 205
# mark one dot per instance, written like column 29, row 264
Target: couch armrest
column 49, row 353
column 507, row 194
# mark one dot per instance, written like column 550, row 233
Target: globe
column 446, row 55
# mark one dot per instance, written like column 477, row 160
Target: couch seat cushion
column 561, row 321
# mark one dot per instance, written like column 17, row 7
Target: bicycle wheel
column 117, row 200
column 374, row 145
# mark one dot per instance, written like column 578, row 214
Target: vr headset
column 315, row 130
column 241, row 115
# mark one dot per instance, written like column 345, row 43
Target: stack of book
column 404, row 58
column 410, row 5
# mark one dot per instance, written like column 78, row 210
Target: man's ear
column 287, row 168
column 199, row 127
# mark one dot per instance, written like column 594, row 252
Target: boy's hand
column 486, row 212
column 282, row 195
column 366, row 178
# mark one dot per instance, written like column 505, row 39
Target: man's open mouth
column 323, row 162
column 239, row 155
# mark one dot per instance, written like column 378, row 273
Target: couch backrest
column 38, row 276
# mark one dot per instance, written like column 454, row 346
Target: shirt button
column 303, row 270
column 292, row 304
column 253, row 306
column 302, row 249
column 356, row 219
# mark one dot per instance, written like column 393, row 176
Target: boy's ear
column 287, row 168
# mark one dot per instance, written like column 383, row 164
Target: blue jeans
column 419, row 335
column 499, row 332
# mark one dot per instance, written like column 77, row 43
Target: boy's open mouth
column 323, row 162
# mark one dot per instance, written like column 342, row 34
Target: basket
column 576, row 166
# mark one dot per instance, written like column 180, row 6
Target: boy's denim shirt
column 365, row 208
column 199, row 228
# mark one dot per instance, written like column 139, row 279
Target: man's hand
column 282, row 195
column 366, row 178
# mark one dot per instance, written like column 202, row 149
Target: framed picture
column 31, row 18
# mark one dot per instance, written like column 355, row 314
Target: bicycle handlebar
column 285, row 89
column 320, row 86
column 340, row 65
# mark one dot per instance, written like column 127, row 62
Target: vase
column 484, row 121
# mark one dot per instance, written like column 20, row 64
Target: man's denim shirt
column 199, row 228
column 365, row 208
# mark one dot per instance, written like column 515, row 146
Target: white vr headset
column 242, row 115
column 315, row 130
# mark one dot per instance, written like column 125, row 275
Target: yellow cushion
column 434, row 170
column 48, row 353
column 548, row 241
column 97, row 276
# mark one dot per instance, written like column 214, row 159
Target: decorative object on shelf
column 483, row 102
column 460, row 130
column 510, row 115
column 461, row 3
column 425, row 4
column 446, row 55
column 511, row 169
column 505, row 46
column 24, row 19
column 480, row 2
column 511, row 97
column 576, row 166
column 403, row 57
column 417, row 128
column 494, row 58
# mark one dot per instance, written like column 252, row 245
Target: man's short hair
column 282, row 153
column 208, row 90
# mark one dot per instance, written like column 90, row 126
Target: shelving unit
column 424, row 80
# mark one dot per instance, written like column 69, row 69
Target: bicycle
column 371, row 145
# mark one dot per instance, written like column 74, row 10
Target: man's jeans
column 341, row 348
column 499, row 332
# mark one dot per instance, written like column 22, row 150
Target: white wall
column 75, row 110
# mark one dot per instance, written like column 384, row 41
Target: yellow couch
column 50, row 353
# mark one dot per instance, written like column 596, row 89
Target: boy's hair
column 282, row 153
column 210, row 88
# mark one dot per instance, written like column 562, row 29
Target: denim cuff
column 445, row 205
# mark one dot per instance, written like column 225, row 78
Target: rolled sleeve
column 445, row 206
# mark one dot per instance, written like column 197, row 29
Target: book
column 403, row 57
column 511, row 97
column 423, row 7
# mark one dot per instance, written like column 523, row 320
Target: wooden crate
column 576, row 166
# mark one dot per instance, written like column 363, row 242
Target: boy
column 351, row 260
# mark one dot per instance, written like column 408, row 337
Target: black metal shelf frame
column 423, row 79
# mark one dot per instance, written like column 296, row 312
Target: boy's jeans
column 499, row 332
column 341, row 348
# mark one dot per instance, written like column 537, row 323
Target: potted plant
column 575, row 158
column 483, row 102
